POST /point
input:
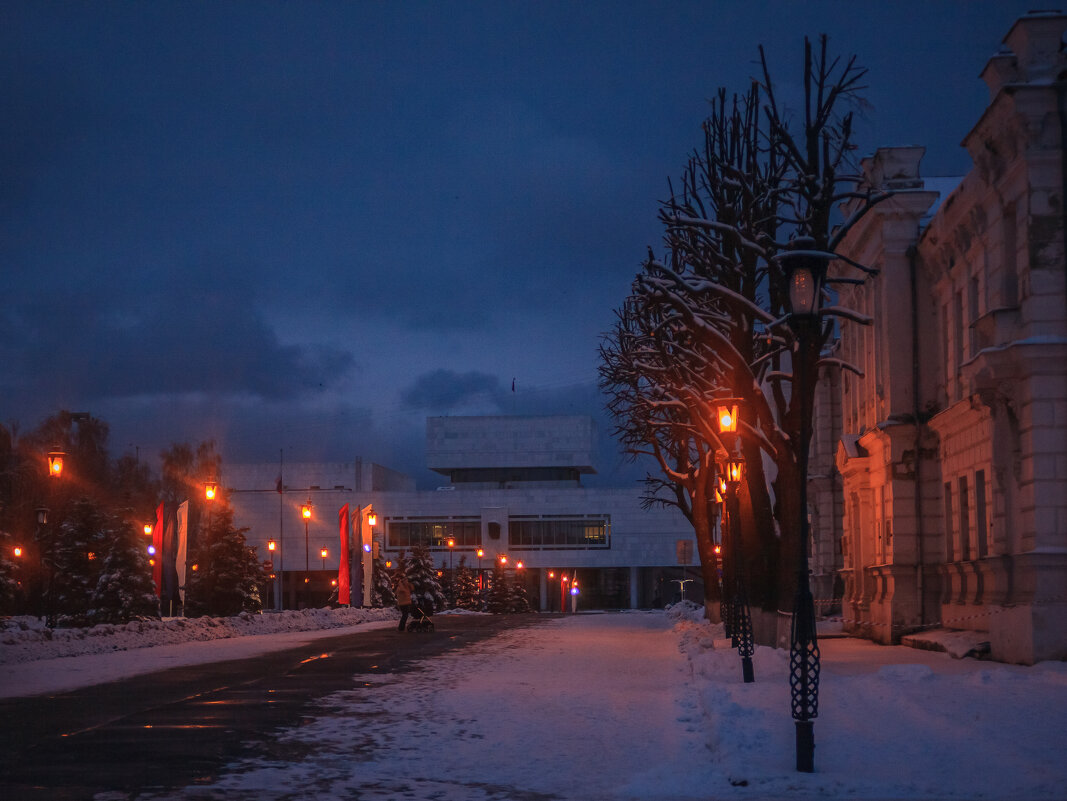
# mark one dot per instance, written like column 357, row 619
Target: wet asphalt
column 181, row 726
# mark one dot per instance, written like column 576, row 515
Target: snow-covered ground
column 648, row 706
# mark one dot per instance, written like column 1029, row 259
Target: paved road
column 180, row 726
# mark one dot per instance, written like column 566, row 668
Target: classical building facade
column 953, row 446
column 511, row 487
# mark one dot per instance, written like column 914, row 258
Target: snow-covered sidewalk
column 642, row 705
column 610, row 707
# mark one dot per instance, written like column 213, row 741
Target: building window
column 555, row 532
column 965, row 520
column 958, row 344
column 433, row 533
column 950, row 551
column 1009, row 283
column 981, row 525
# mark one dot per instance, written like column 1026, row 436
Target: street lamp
column 55, row 463
column 324, row 553
column 148, row 529
column 805, row 270
column 741, row 623
column 305, row 512
column 55, row 471
column 726, row 609
column 451, row 571
column 272, row 546
column 733, row 473
column 211, row 489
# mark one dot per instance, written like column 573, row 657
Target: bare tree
column 708, row 322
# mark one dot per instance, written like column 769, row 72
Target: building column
column 542, row 579
column 633, row 587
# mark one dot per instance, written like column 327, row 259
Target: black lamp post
column 305, row 512
column 726, row 610
column 55, row 472
column 451, row 572
column 733, row 470
column 806, row 271
column 742, row 618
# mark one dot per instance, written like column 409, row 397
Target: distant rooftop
column 509, row 443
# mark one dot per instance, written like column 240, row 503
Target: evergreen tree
column 498, row 601
column 382, row 589
column 466, row 587
column 423, row 577
column 518, row 599
column 8, row 575
column 124, row 589
column 74, row 555
column 228, row 574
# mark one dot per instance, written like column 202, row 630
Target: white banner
column 183, row 547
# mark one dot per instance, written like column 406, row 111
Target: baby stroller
column 420, row 618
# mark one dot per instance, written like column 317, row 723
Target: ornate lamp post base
column 805, row 746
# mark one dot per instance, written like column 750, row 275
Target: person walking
column 403, row 600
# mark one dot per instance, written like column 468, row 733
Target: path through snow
column 578, row 711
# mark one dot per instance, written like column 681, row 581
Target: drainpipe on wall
column 917, row 422
column 1061, row 104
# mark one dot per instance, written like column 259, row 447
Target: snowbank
column 25, row 639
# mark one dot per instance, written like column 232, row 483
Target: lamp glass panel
column 802, row 291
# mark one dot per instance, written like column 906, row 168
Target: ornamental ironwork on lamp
column 806, row 271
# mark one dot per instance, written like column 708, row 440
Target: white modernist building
column 511, row 487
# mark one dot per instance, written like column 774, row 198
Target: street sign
column 684, row 550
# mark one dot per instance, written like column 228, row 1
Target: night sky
column 309, row 226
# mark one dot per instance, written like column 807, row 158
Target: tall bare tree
column 708, row 322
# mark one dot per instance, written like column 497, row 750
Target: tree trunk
column 703, row 526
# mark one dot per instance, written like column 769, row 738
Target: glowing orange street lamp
column 324, row 553
column 305, row 512
column 148, row 529
column 372, row 519
column 272, row 546
column 211, row 489
column 519, row 565
column 727, row 419
column 55, row 463
column 735, row 471
column 18, row 550
column 503, row 559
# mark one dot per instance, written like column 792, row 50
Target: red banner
column 157, row 551
column 344, row 586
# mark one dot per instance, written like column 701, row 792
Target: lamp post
column 272, row 546
column 681, row 586
column 324, row 553
column 55, row 472
column 305, row 512
column 451, row 572
column 805, row 271
column 211, row 491
column 741, row 624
